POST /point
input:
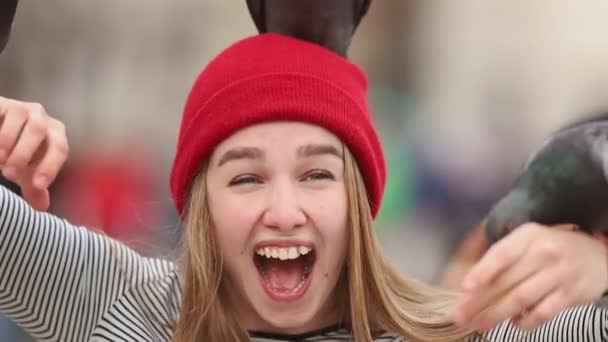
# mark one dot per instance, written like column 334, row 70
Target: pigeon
column 328, row 23
column 563, row 183
column 7, row 15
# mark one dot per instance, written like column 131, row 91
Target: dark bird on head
column 564, row 182
column 329, row 23
column 7, row 15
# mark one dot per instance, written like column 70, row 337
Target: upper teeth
column 283, row 253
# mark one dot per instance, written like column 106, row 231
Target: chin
column 306, row 314
column 292, row 320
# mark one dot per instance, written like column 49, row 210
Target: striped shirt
column 65, row 283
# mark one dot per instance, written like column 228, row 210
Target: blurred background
column 462, row 92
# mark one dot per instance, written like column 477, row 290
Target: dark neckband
column 297, row 337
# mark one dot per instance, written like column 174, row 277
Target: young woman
column 277, row 178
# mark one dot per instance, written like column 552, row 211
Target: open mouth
column 285, row 272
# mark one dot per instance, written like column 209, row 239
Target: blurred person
column 278, row 176
column 112, row 191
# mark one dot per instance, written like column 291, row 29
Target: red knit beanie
column 270, row 77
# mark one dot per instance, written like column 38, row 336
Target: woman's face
column 277, row 197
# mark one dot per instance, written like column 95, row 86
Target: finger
column 506, row 281
column 23, row 177
column 34, row 132
column 3, row 105
column 6, row 104
column 500, row 257
column 10, row 130
column 543, row 256
column 47, row 168
column 521, row 298
column 544, row 311
column 37, row 198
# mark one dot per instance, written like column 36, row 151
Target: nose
column 283, row 209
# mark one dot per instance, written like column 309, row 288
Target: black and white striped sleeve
column 587, row 323
column 57, row 281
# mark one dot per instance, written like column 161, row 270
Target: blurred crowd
column 462, row 92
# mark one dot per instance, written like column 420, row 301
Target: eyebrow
column 315, row 150
column 256, row 153
column 241, row 153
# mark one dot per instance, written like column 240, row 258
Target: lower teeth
column 299, row 285
column 295, row 289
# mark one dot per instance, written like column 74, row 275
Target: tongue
column 284, row 275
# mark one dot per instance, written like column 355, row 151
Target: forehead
column 279, row 137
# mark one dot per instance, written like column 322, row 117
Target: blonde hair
column 376, row 297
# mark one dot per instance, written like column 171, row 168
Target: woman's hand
column 470, row 251
column 33, row 147
column 532, row 275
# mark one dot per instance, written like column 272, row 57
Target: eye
column 317, row 175
column 244, row 179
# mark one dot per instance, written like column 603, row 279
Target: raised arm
column 57, row 281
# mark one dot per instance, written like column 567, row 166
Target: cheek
column 233, row 222
column 330, row 216
column 336, row 213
